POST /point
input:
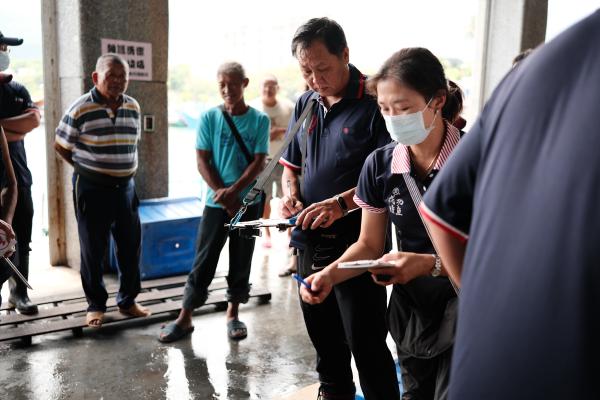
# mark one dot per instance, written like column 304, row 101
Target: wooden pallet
column 172, row 281
column 67, row 312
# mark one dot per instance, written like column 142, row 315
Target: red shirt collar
column 401, row 157
column 355, row 89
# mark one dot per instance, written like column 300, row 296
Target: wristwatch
column 437, row 267
column 342, row 203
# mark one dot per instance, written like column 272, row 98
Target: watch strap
column 342, row 203
column 437, row 266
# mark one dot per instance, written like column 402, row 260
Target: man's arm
column 9, row 194
column 326, row 212
column 17, row 127
column 229, row 196
column 67, row 155
column 250, row 173
column 323, row 213
column 290, row 203
column 207, row 171
column 214, row 181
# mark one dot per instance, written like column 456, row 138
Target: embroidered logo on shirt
column 395, row 202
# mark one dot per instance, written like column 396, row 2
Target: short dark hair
column 420, row 70
column 324, row 29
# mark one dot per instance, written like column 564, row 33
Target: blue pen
column 302, row 281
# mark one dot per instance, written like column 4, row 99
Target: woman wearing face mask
column 419, row 106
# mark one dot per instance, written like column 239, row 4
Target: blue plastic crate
column 169, row 230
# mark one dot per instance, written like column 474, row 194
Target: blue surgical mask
column 409, row 129
column 4, row 60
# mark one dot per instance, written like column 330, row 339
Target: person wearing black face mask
column 18, row 116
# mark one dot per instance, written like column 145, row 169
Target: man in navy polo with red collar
column 515, row 214
column 18, row 116
column 322, row 166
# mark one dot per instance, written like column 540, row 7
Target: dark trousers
column 426, row 379
column 5, row 273
column 22, row 222
column 212, row 235
column 351, row 321
column 100, row 210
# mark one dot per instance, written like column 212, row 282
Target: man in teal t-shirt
column 228, row 159
column 229, row 176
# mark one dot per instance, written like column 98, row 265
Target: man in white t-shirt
column 279, row 110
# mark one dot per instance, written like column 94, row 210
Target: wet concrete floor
column 125, row 361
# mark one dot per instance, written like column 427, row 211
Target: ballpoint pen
column 302, row 281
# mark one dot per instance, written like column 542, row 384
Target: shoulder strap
column 237, row 136
column 303, row 152
column 264, row 176
column 416, row 196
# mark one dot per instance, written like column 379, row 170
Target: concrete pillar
column 72, row 30
column 505, row 28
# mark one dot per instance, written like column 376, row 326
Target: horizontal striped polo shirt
column 100, row 140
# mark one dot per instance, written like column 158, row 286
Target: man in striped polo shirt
column 98, row 136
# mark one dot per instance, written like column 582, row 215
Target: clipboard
column 364, row 264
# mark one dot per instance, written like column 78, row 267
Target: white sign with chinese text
column 137, row 54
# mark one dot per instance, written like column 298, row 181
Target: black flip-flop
column 173, row 332
column 236, row 330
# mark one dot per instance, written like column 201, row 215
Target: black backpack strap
column 237, row 136
column 303, row 120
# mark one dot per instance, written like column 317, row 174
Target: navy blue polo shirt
column 339, row 141
column 523, row 189
column 14, row 101
column 382, row 189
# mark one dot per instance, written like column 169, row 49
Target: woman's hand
column 290, row 206
column 321, row 285
column 321, row 214
column 408, row 266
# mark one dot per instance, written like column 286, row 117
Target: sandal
column 173, row 332
column 236, row 330
column 94, row 319
column 135, row 310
